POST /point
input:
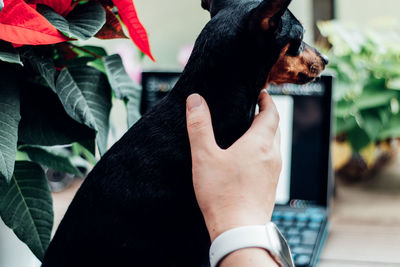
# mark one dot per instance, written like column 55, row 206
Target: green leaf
column 26, row 206
column 393, row 83
column 1, row 5
column 385, row 114
column 42, row 64
column 86, row 20
column 9, row 119
column 371, row 123
column 341, row 89
column 91, row 54
column 85, row 95
column 90, row 146
column 21, row 156
column 44, row 121
column 358, row 138
column 80, row 150
column 345, row 108
column 376, row 98
column 83, row 22
column 387, row 69
column 133, row 109
column 56, row 158
column 392, row 129
column 343, row 125
column 123, row 86
column 98, row 65
column 90, row 50
column 55, row 19
column 8, row 53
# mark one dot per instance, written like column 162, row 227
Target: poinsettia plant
column 55, row 99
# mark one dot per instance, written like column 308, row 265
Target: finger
column 277, row 147
column 267, row 120
column 263, row 129
column 199, row 126
column 277, row 140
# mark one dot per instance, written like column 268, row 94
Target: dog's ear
column 268, row 14
column 214, row 6
column 206, row 4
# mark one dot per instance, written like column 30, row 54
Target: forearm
column 254, row 257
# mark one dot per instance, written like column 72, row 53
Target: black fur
column 137, row 207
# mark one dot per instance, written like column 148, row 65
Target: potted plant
column 366, row 64
column 55, row 99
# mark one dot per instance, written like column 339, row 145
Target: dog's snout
column 325, row 59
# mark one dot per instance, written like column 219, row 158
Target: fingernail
column 194, row 101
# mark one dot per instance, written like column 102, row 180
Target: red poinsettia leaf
column 112, row 29
column 20, row 24
column 62, row 7
column 127, row 12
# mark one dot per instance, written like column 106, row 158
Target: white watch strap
column 260, row 236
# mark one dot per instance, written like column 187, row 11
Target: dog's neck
column 230, row 94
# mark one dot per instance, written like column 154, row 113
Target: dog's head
column 269, row 31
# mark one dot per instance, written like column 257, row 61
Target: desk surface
column 364, row 227
column 365, row 223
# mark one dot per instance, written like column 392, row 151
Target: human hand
column 236, row 186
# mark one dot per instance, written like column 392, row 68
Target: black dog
column 137, row 206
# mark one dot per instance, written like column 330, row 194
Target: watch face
column 281, row 251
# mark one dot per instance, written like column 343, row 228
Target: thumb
column 199, row 126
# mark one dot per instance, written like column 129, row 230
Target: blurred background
column 362, row 40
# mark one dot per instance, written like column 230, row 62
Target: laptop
column 306, row 183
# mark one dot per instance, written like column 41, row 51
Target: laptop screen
column 305, row 120
column 284, row 105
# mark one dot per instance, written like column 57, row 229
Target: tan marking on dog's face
column 300, row 69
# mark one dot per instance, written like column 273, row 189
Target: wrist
column 249, row 257
column 222, row 222
column 265, row 236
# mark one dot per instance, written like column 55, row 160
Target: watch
column 266, row 236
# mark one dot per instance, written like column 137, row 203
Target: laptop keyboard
column 301, row 228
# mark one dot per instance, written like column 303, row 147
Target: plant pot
column 353, row 166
